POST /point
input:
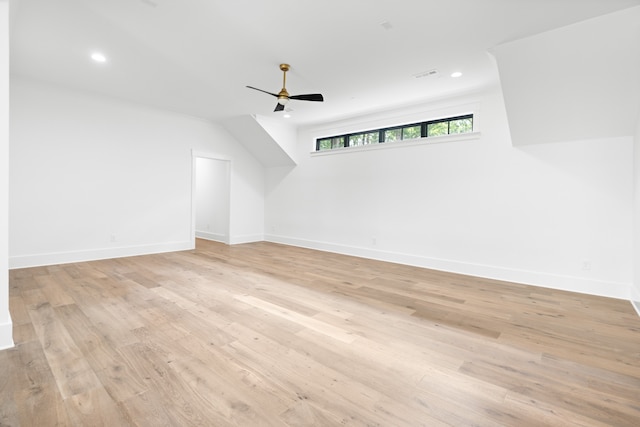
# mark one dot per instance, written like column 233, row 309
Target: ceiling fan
column 284, row 97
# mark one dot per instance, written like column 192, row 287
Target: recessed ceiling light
column 286, row 116
column 98, row 57
column 456, row 74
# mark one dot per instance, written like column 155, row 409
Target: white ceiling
column 197, row 56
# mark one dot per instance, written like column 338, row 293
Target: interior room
column 279, row 212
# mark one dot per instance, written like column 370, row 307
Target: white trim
column 545, row 280
column 6, row 329
column 95, row 254
column 400, row 144
column 215, row 156
column 215, row 237
column 635, row 299
column 6, row 335
column 246, row 238
column 636, row 305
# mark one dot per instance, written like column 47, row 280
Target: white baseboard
column 215, row 237
column 95, row 254
column 246, row 238
column 233, row 240
column 6, row 335
column 545, row 280
column 635, row 299
column 554, row 281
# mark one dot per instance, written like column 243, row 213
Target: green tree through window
column 412, row 132
column 438, row 129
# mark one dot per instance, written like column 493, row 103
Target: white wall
column 212, row 199
column 6, row 327
column 556, row 215
column 93, row 177
column 635, row 289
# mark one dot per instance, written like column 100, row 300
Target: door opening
column 211, row 198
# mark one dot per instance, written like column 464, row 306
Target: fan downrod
column 283, row 95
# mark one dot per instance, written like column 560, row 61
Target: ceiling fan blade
column 309, row 97
column 279, row 107
column 269, row 93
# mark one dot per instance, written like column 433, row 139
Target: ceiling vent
column 429, row 73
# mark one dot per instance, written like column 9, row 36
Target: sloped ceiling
column 578, row 82
column 196, row 56
column 258, row 138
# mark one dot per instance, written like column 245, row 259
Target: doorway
column 211, row 198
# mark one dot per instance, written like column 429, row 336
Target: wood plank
column 70, row 368
column 180, row 403
column 36, row 394
column 100, row 352
column 96, row 408
column 9, row 380
column 306, row 321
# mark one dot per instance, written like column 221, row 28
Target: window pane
column 337, row 142
column 437, row 129
column 324, row 144
column 461, row 126
column 356, row 140
column 371, row 137
column 391, row 135
column 411, row 132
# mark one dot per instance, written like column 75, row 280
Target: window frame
column 382, row 133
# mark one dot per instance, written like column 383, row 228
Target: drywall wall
column 556, row 215
column 635, row 289
column 6, row 326
column 93, row 177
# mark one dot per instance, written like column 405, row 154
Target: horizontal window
column 448, row 126
column 330, row 143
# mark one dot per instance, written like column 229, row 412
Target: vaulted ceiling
column 197, row 56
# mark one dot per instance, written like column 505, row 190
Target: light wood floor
column 265, row 334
